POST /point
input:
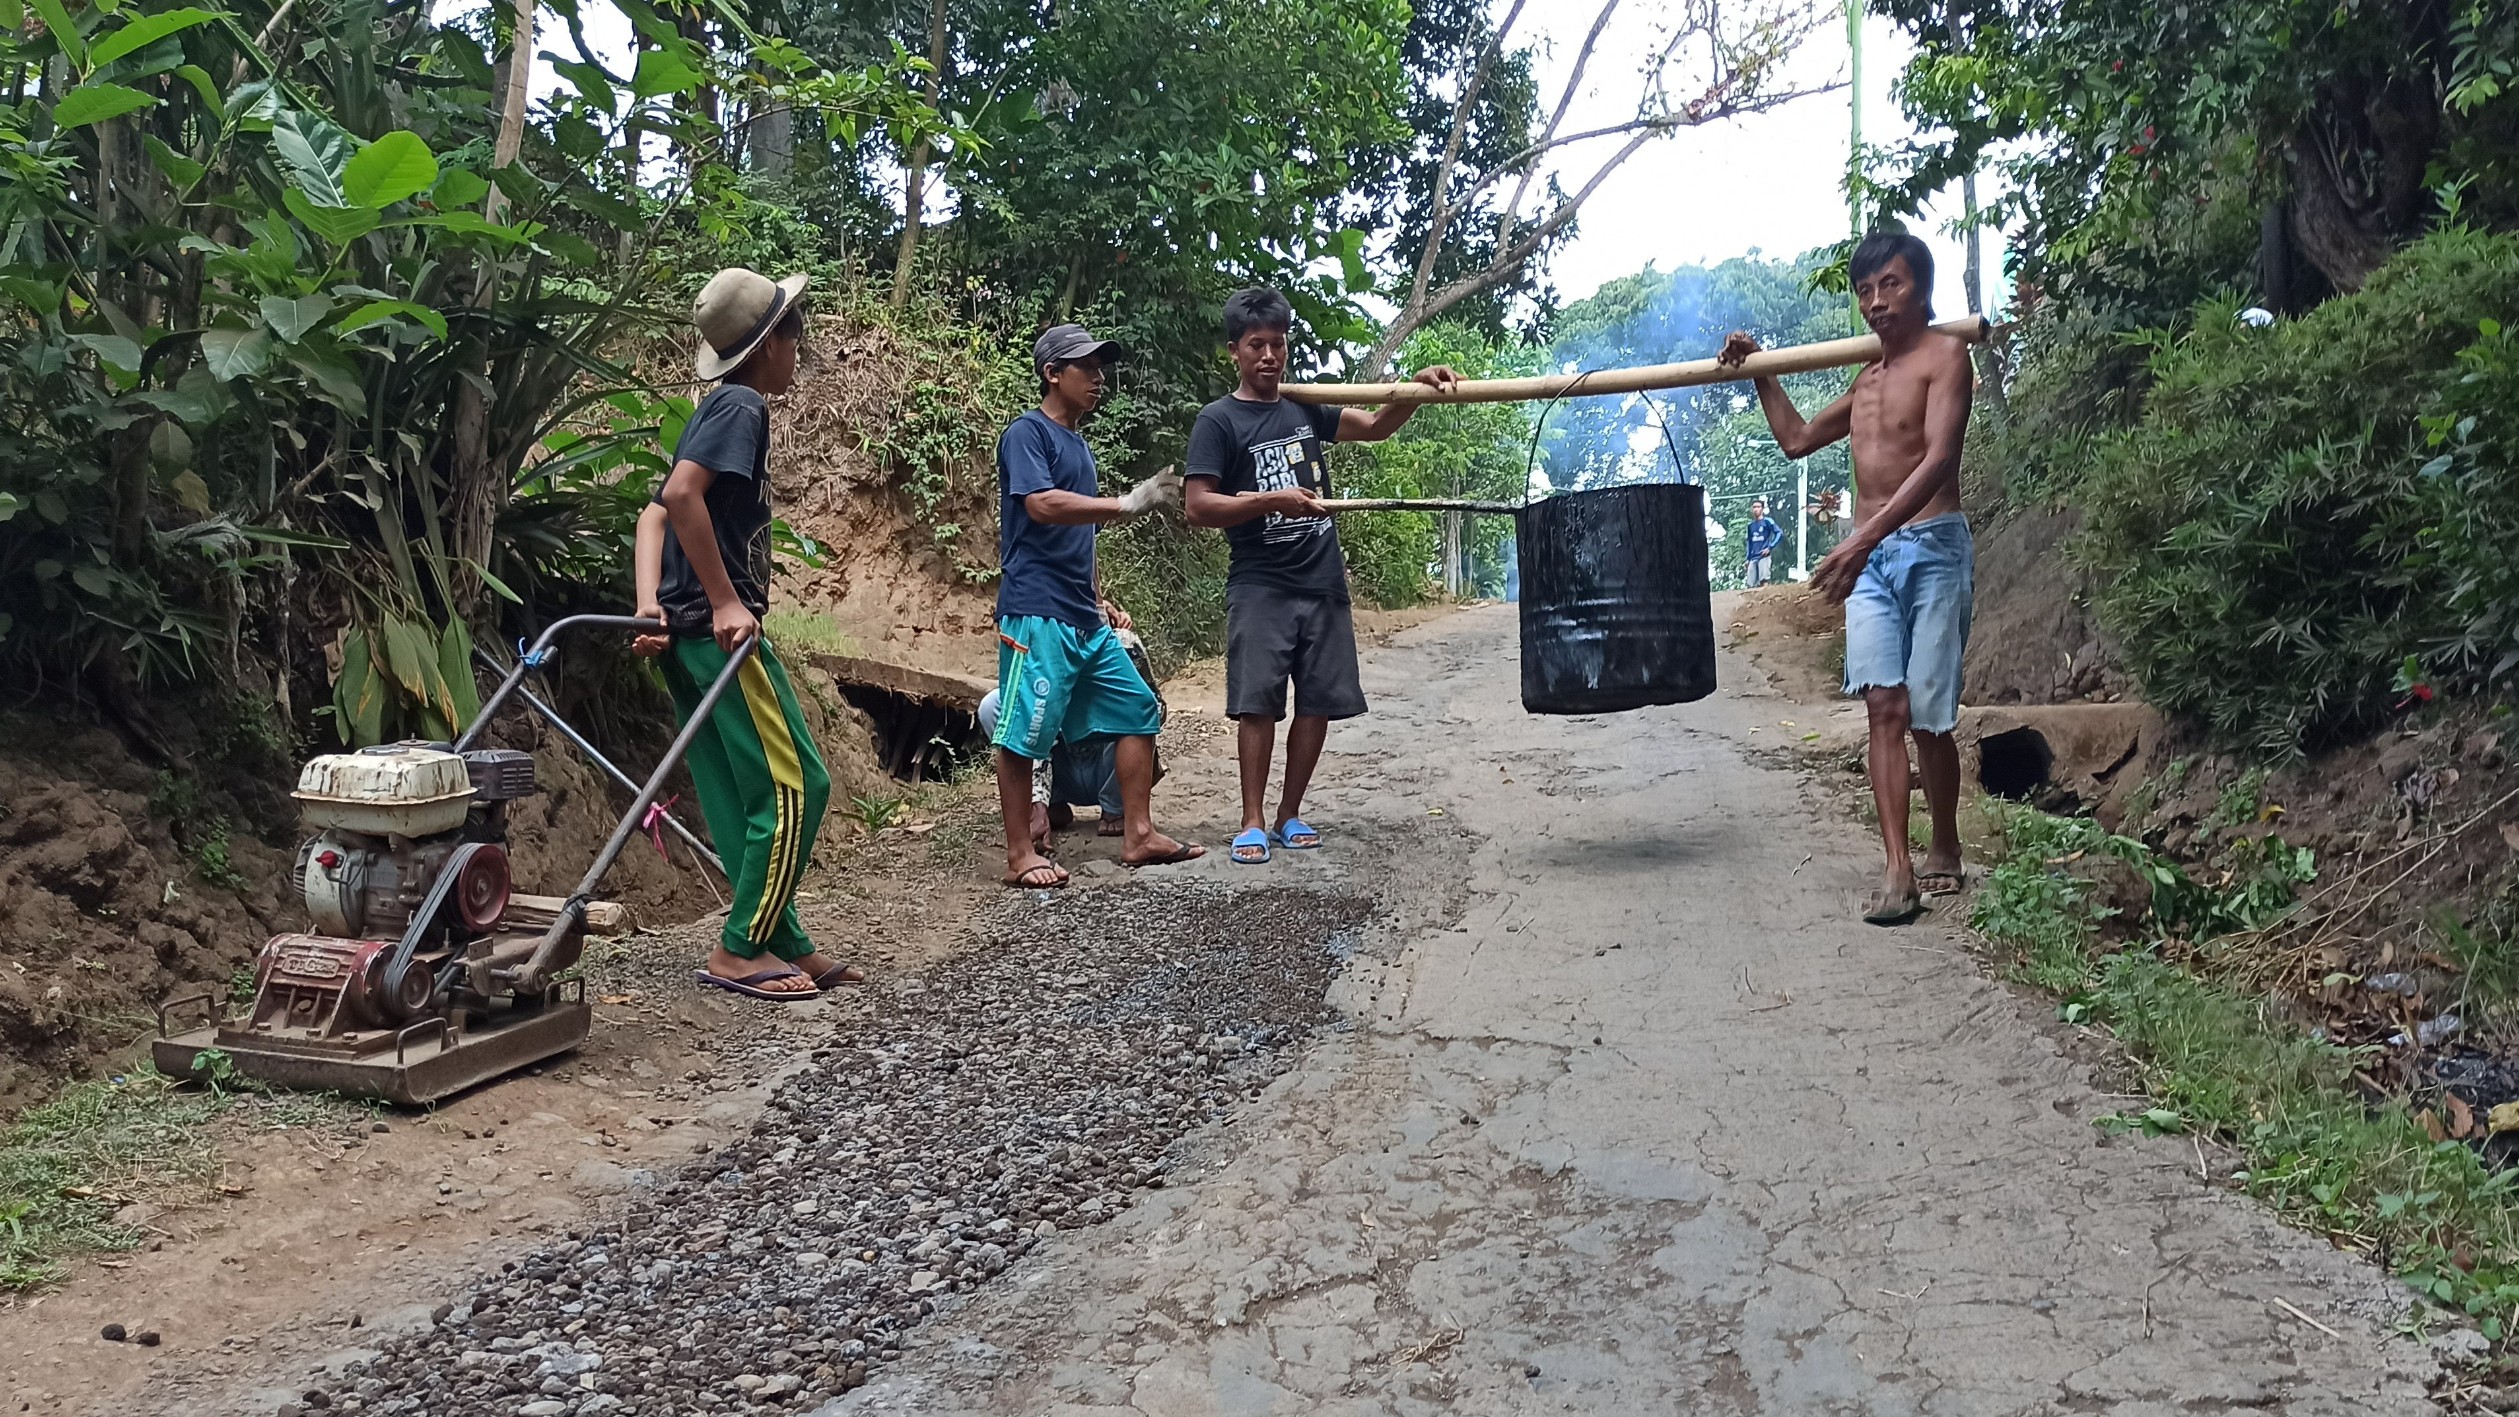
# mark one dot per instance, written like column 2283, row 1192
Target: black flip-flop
column 830, row 979
column 750, row 985
column 1957, row 882
column 1189, row 851
column 1020, row 883
column 1884, row 912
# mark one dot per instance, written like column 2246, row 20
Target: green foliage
column 808, row 631
column 2473, row 435
column 956, row 387
column 2140, row 139
column 2275, row 533
column 2488, row 965
column 2075, row 377
column 1170, row 577
column 201, row 832
column 281, row 343
column 1394, row 192
column 2042, row 912
column 1473, row 451
column 874, row 813
column 1133, row 162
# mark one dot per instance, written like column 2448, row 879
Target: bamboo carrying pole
column 1793, row 359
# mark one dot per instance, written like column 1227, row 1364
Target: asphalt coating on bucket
column 1030, row 1085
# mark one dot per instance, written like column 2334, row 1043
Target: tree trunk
column 1452, row 555
column 2325, row 227
column 1991, row 372
column 2357, row 167
column 2274, row 260
column 1067, row 295
column 914, row 195
column 774, row 143
column 474, row 496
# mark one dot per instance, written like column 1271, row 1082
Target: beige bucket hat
column 734, row 312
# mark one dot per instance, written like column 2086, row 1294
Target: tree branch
column 1441, row 219
column 1565, row 101
column 1424, row 309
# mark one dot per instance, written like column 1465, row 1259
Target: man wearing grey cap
column 1063, row 675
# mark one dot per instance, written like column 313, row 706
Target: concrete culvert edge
column 2015, row 764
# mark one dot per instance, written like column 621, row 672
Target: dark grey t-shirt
column 729, row 434
column 1263, row 447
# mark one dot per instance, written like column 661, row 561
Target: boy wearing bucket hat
column 1063, row 674
column 1257, row 472
column 703, row 567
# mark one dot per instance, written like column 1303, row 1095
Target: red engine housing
column 330, row 986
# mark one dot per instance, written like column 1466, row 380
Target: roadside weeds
column 72, row 1168
column 2314, row 1140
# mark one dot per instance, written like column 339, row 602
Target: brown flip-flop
column 1935, row 884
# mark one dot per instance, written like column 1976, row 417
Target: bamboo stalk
column 1415, row 504
column 1769, row 363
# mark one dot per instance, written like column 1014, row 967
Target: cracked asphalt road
column 1632, row 1121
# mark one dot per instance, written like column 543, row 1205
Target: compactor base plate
column 418, row 1066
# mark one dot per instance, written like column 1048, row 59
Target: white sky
column 1772, row 182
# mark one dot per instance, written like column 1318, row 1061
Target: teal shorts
column 1058, row 683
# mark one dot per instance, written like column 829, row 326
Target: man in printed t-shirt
column 1257, row 471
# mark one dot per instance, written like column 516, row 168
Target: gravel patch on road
column 1027, row 1086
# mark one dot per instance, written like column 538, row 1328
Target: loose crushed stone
column 1027, row 1086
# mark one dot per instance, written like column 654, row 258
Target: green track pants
column 762, row 787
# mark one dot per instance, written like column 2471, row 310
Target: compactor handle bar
column 531, row 976
column 534, row 658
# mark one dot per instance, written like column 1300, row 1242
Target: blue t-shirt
column 1048, row 570
column 1763, row 536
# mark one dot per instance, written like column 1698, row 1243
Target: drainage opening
column 917, row 739
column 2015, row 764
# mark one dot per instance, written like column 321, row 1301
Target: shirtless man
column 1907, row 573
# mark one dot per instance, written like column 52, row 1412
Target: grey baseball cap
column 1064, row 342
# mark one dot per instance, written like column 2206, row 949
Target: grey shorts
column 1273, row 637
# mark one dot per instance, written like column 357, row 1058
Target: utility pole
column 1854, row 127
column 1854, row 169
column 1802, row 519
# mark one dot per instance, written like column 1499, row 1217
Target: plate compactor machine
column 424, row 974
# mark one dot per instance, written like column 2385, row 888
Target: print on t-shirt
column 1291, row 462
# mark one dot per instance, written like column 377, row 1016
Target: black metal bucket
column 1615, row 608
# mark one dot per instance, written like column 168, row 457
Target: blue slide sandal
column 1252, row 840
column 1295, row 827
